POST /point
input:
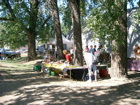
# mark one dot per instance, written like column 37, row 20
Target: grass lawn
column 17, row 64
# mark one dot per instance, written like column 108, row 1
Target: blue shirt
column 91, row 50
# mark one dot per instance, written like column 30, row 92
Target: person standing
column 94, row 49
column 91, row 50
column 87, row 48
column 71, row 52
column 100, row 48
column 90, row 62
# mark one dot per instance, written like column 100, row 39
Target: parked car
column 7, row 53
column 40, row 49
column 22, row 50
column 39, row 52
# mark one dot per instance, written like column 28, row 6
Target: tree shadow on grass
column 134, row 74
column 57, row 95
column 29, row 89
column 12, row 80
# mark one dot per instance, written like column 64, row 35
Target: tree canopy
column 17, row 16
column 22, row 12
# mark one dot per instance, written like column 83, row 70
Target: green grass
column 18, row 63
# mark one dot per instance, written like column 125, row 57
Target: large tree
column 109, row 22
column 75, row 15
column 29, row 17
column 119, row 53
column 57, row 27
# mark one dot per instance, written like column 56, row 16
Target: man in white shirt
column 90, row 62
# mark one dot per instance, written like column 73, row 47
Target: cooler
column 103, row 72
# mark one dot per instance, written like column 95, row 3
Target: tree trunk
column 119, row 62
column 119, row 55
column 75, row 12
column 31, row 46
column 57, row 27
column 31, row 31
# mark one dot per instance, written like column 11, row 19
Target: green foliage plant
column 105, row 20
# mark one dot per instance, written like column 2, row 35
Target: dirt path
column 26, row 87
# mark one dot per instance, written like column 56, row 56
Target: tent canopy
column 67, row 42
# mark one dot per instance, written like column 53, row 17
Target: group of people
column 89, row 57
column 93, row 49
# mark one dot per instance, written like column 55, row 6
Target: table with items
column 133, row 65
column 73, row 72
column 78, row 73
